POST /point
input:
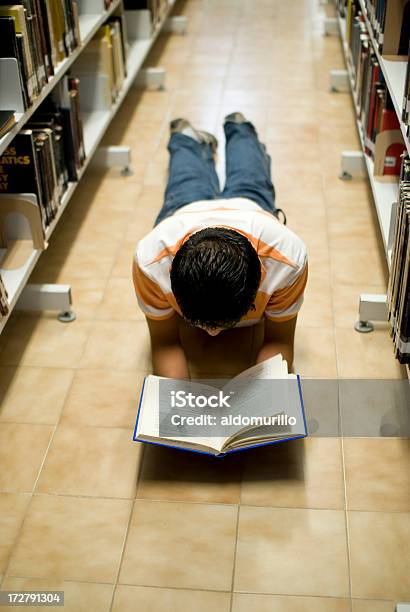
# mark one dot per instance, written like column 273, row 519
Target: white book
column 262, row 405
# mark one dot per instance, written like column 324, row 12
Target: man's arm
column 168, row 357
column 279, row 338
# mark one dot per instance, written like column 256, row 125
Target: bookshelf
column 89, row 25
column 395, row 75
column 95, row 124
column 385, row 194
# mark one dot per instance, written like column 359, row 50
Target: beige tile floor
column 317, row 526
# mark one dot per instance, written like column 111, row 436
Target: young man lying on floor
column 219, row 259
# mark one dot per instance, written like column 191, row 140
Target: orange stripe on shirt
column 262, row 249
column 147, row 290
column 172, row 302
column 172, row 250
column 282, row 299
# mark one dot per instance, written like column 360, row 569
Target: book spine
column 76, row 21
column 60, row 163
column 37, row 45
column 67, row 30
column 76, row 108
column 10, row 47
column 19, row 171
column 48, row 18
column 43, row 179
column 28, row 77
column 69, row 145
column 406, row 96
column 59, row 13
column 47, row 134
column 75, row 132
column 43, row 36
column 4, row 303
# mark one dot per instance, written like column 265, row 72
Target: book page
column 266, row 408
column 283, row 429
column 250, row 392
column 270, row 368
column 155, row 408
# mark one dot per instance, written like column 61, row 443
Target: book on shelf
column 11, row 46
column 18, row 14
column 103, row 64
column 7, row 121
column 157, row 8
column 385, row 25
column 51, row 124
column 38, row 34
column 65, row 103
column 262, row 405
column 398, row 292
column 389, row 144
column 406, row 95
column 380, row 126
column 390, row 24
column 4, row 299
column 48, row 153
column 20, row 172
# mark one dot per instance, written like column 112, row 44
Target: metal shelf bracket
column 48, row 297
column 372, row 307
column 352, row 165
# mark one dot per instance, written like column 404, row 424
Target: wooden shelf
column 95, row 125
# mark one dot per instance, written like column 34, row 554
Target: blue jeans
column 192, row 175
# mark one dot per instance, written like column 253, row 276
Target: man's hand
column 279, row 338
column 168, row 357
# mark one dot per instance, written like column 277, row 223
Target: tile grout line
column 19, row 532
column 192, row 589
column 347, row 540
column 162, row 133
column 31, row 493
column 92, row 321
column 122, row 553
column 200, row 503
column 349, row 560
column 234, row 556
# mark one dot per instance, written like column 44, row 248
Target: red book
column 392, row 160
column 389, row 120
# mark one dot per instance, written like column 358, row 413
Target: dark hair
column 215, row 276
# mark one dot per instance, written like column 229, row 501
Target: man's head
column 214, row 277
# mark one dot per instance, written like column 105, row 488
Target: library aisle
column 321, row 525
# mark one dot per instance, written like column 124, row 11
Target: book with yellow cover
column 17, row 12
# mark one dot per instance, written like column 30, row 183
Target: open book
column 262, row 405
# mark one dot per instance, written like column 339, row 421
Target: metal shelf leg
column 48, row 297
column 372, row 307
